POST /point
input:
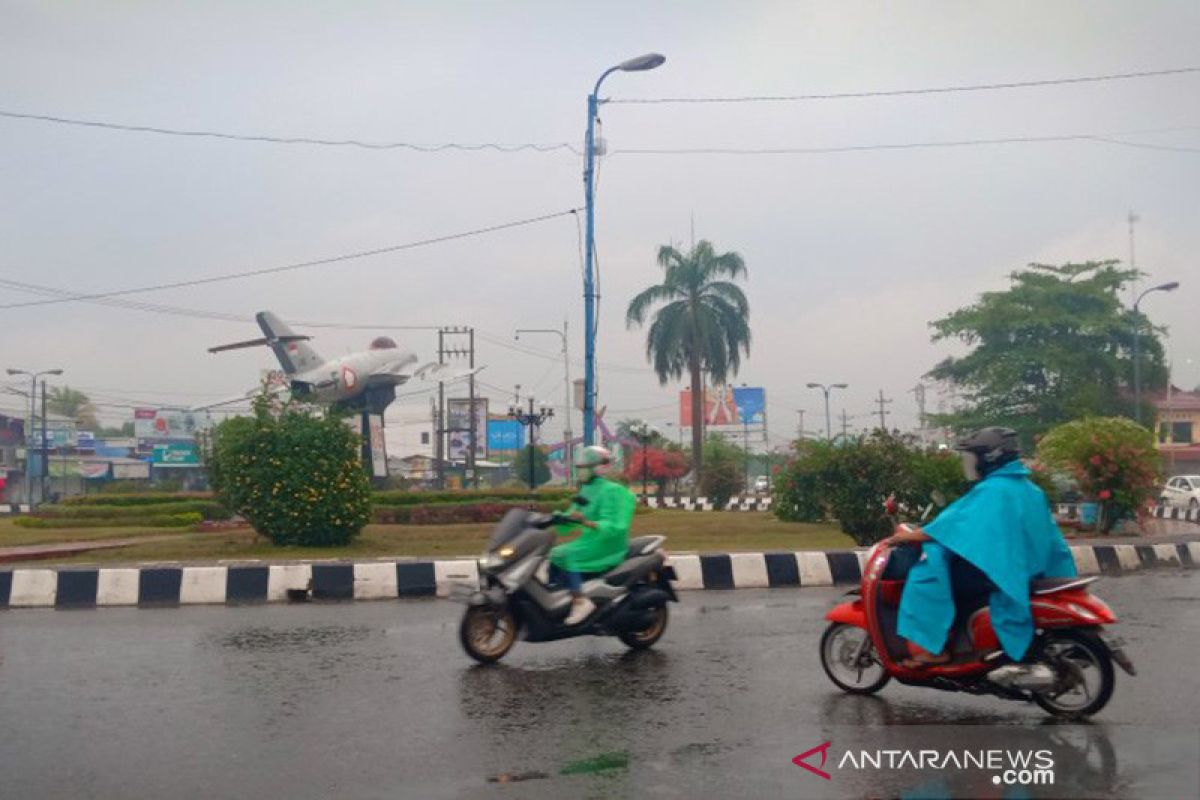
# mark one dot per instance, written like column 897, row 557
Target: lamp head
column 841, row 386
column 53, row 372
column 642, row 63
column 814, row 386
column 1167, row 287
column 12, row 371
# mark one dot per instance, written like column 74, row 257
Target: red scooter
column 1068, row 670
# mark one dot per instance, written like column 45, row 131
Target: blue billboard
column 751, row 404
column 505, row 434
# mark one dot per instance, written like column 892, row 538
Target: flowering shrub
column 851, row 480
column 1112, row 458
column 295, row 477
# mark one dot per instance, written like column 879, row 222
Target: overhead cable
column 972, row 87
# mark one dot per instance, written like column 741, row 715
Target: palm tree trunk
column 697, row 423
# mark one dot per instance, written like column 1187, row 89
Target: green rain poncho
column 610, row 505
column 1004, row 527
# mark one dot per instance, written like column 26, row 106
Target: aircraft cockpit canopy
column 383, row 343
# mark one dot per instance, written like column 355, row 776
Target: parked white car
column 762, row 484
column 1182, row 491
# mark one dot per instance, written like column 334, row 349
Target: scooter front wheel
column 487, row 632
column 646, row 637
column 849, row 659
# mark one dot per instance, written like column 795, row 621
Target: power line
column 302, row 265
column 1106, row 138
column 973, row 87
column 293, row 140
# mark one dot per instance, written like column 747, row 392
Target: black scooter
column 512, row 598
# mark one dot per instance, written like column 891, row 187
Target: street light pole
column 1137, row 354
column 639, row 64
column 567, row 459
column 826, row 389
column 533, row 420
column 29, row 427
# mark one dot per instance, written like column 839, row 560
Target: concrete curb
column 173, row 586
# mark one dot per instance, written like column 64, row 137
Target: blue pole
column 589, row 285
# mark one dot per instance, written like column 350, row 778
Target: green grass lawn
column 14, row 536
column 685, row 531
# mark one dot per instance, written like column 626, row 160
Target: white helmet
column 592, row 457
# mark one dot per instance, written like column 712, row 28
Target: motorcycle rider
column 994, row 540
column 604, row 510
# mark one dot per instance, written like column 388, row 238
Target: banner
column 726, row 405
column 379, row 468
column 505, row 435
column 458, row 424
column 169, row 423
column 131, row 471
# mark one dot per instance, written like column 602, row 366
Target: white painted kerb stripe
column 33, row 587
column 687, row 570
column 448, row 573
column 117, row 587
column 814, row 569
column 375, row 581
column 749, row 571
column 283, row 577
column 202, row 585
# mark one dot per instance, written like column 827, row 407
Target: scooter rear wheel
column 487, row 633
column 852, row 671
column 646, row 637
column 1083, row 658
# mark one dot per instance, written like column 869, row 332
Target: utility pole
column 45, row 449
column 471, row 475
column 845, row 424
column 533, row 420
column 568, row 461
column 800, row 430
column 1133, row 220
column 883, row 403
column 439, row 430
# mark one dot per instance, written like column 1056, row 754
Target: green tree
column 541, row 467
column 67, row 402
column 294, row 475
column 725, row 473
column 701, row 325
column 1055, row 346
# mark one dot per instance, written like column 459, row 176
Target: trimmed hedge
column 207, row 509
column 398, row 498
column 148, row 521
column 140, row 499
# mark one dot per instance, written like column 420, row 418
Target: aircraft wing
column 257, row 343
column 241, row 398
column 434, row 372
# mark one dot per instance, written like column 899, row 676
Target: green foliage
column 138, row 499
column 453, row 513
column 701, row 326
column 295, row 477
column 551, row 495
column 541, row 467
column 134, row 521
column 207, row 509
column 1113, row 459
column 852, row 480
column 1055, row 346
column 725, row 472
column 67, row 402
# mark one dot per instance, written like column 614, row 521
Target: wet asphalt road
column 377, row 700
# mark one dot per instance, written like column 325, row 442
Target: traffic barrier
column 170, row 586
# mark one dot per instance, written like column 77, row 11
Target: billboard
column 169, row 423
column 379, row 467
column 505, row 435
column 458, row 428
column 176, row 454
column 727, row 405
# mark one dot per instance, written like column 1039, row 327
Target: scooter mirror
column 890, row 506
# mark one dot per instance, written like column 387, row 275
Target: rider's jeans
column 571, row 580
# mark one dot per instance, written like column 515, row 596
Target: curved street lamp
column 637, row 64
column 1137, row 354
column 826, row 389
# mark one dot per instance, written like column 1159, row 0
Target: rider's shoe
column 581, row 609
column 1023, row 676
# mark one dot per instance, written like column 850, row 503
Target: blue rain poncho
column 1004, row 527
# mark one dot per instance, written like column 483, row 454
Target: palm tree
column 701, row 325
column 76, row 405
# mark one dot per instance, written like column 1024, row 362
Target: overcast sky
column 849, row 254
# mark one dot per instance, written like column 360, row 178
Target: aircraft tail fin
column 293, row 351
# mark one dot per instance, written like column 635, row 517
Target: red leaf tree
column 656, row 465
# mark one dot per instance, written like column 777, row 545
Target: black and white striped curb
column 384, row 580
column 1071, row 511
column 703, row 503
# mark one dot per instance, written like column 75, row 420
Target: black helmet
column 987, row 450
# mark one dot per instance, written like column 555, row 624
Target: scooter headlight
column 506, row 552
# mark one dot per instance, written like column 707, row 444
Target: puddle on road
column 284, row 640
